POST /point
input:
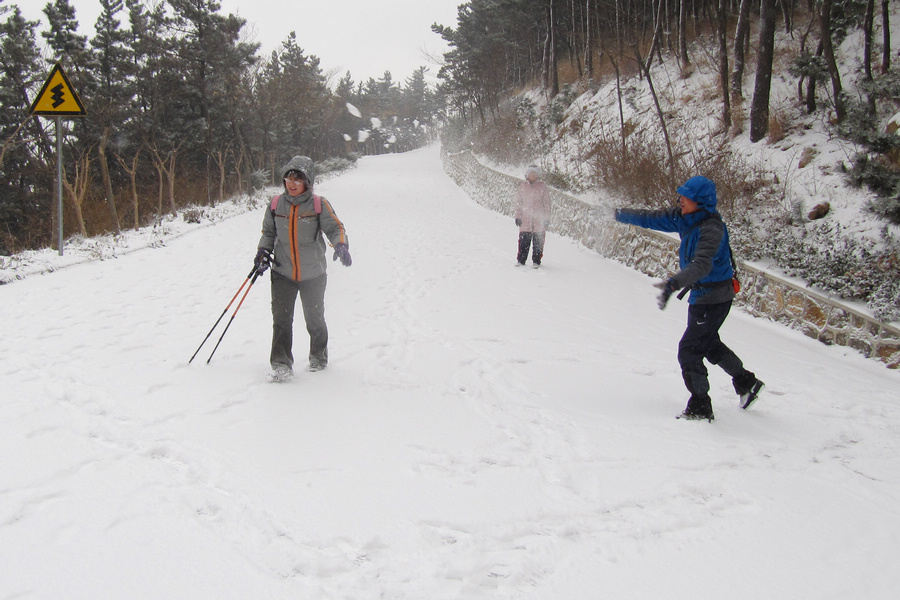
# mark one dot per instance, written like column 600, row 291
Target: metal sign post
column 59, row 182
column 58, row 98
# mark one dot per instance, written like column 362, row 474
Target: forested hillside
column 786, row 105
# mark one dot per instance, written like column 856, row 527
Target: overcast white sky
column 365, row 37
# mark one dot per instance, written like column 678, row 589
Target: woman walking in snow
column 706, row 269
column 292, row 243
column 532, row 214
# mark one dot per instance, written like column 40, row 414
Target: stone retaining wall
column 763, row 294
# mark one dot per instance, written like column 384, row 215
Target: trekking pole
column 223, row 313
column 252, row 281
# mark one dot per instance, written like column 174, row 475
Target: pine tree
column 25, row 187
column 114, row 89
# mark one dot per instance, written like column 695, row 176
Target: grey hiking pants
column 312, row 298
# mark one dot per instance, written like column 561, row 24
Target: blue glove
column 262, row 261
column 667, row 290
column 342, row 252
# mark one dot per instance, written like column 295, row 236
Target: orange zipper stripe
column 295, row 250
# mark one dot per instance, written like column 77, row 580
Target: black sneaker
column 698, row 409
column 689, row 415
column 750, row 396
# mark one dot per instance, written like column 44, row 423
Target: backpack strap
column 317, row 204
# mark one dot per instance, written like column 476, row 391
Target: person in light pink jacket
column 532, row 214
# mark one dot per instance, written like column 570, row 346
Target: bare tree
column 645, row 67
column 220, row 155
column 165, row 167
column 77, row 189
column 107, row 181
column 132, row 174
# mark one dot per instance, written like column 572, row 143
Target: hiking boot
column 316, row 365
column 281, row 374
column 750, row 396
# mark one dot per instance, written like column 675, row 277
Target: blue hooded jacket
column 704, row 256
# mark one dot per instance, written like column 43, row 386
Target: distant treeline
column 180, row 110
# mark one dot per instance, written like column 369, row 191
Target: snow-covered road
column 482, row 431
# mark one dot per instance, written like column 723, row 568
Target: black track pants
column 525, row 241
column 701, row 341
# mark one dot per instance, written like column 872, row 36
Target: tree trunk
column 740, row 35
column 657, row 34
column 166, row 171
column 78, row 188
column 659, row 112
column 759, row 108
column 682, row 33
column 830, row 61
column 220, row 156
column 811, row 104
column 107, row 181
column 132, row 174
column 619, row 96
column 588, row 41
column 551, row 61
column 723, row 62
column 239, row 164
column 170, row 174
column 868, row 23
column 886, row 32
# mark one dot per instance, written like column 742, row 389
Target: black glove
column 668, row 288
column 342, row 252
column 262, row 261
column 518, row 222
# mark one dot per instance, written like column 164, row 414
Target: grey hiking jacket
column 295, row 232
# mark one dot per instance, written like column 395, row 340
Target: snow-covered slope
column 482, row 431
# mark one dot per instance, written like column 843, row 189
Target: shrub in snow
column 260, row 179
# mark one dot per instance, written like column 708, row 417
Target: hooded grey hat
column 533, row 168
column 303, row 165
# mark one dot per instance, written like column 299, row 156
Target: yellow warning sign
column 58, row 97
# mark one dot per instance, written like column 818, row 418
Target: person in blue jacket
column 707, row 271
